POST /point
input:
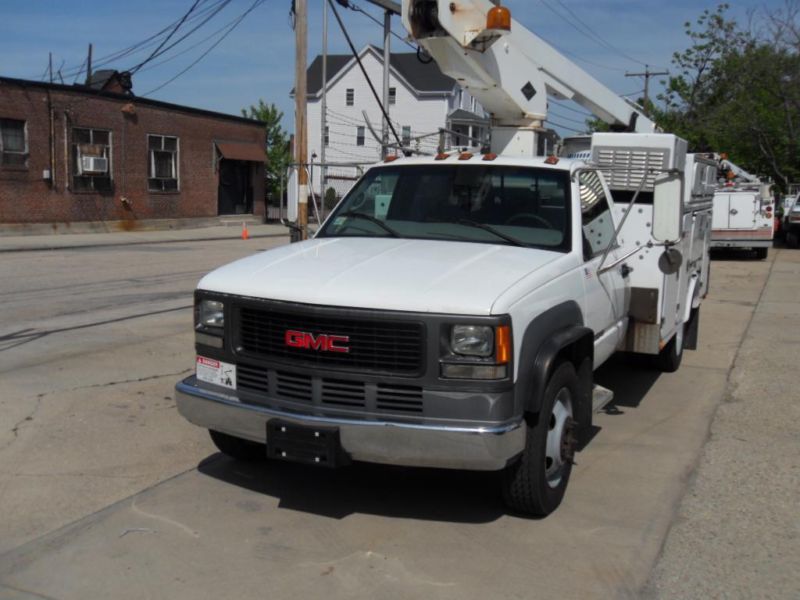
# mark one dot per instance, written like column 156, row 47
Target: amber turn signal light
column 502, row 341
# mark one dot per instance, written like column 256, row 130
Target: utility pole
column 300, row 131
column 647, row 75
column 324, row 102
column 50, row 66
column 387, row 58
column 89, row 66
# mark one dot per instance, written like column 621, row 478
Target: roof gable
column 421, row 77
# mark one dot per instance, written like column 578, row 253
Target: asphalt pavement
column 106, row 492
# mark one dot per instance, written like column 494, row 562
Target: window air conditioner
column 90, row 165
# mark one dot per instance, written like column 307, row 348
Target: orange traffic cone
column 245, row 233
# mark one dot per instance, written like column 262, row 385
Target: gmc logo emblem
column 322, row 342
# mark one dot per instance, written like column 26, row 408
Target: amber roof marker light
column 499, row 18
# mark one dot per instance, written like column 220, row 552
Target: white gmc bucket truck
column 452, row 309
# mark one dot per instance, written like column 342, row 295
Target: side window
column 406, row 135
column 162, row 169
column 598, row 226
column 13, row 143
column 91, row 159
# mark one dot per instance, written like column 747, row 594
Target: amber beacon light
column 499, row 17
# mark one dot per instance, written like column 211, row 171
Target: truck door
column 605, row 291
column 721, row 211
column 742, row 210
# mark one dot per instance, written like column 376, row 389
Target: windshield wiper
column 357, row 215
column 490, row 229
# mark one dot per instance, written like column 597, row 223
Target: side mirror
column 668, row 207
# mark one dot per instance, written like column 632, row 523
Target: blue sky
column 256, row 60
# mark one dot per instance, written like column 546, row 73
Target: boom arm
column 738, row 171
column 511, row 73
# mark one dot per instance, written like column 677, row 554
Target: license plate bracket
column 311, row 445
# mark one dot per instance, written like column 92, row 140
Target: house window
column 392, row 95
column 406, row 135
column 162, row 172
column 327, row 136
column 13, row 143
column 360, row 136
column 350, row 96
column 91, row 160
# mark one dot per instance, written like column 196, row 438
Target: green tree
column 277, row 143
column 738, row 91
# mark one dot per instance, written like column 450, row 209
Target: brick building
column 85, row 153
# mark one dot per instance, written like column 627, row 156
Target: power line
column 570, row 108
column 565, row 117
column 364, row 71
column 580, row 58
column 235, row 24
column 145, row 43
column 587, row 31
column 154, row 53
column 214, row 13
column 190, row 48
column 375, row 20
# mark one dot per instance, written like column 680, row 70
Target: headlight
column 211, row 314
column 472, row 340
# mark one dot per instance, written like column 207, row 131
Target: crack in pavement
column 40, row 397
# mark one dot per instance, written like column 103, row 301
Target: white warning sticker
column 215, row 371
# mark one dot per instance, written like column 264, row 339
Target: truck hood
column 382, row 273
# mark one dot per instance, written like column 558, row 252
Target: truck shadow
column 399, row 492
column 402, row 492
column 630, row 377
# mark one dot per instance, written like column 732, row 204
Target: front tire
column 237, row 448
column 536, row 482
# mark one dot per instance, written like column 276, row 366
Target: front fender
column 543, row 340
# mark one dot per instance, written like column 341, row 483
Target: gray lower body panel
column 473, row 447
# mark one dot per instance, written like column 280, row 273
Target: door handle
column 734, row 211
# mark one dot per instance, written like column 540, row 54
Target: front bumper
column 387, row 442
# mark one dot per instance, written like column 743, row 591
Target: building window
column 392, row 95
column 350, row 96
column 406, row 135
column 360, row 136
column 162, row 172
column 327, row 136
column 13, row 143
column 91, row 160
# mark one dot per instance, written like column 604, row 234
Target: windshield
column 522, row 206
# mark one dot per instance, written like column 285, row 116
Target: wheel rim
column 560, row 444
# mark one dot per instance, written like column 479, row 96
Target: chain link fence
column 328, row 183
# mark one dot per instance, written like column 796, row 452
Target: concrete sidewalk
column 31, row 243
column 737, row 531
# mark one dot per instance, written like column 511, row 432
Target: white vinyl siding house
column 421, row 100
